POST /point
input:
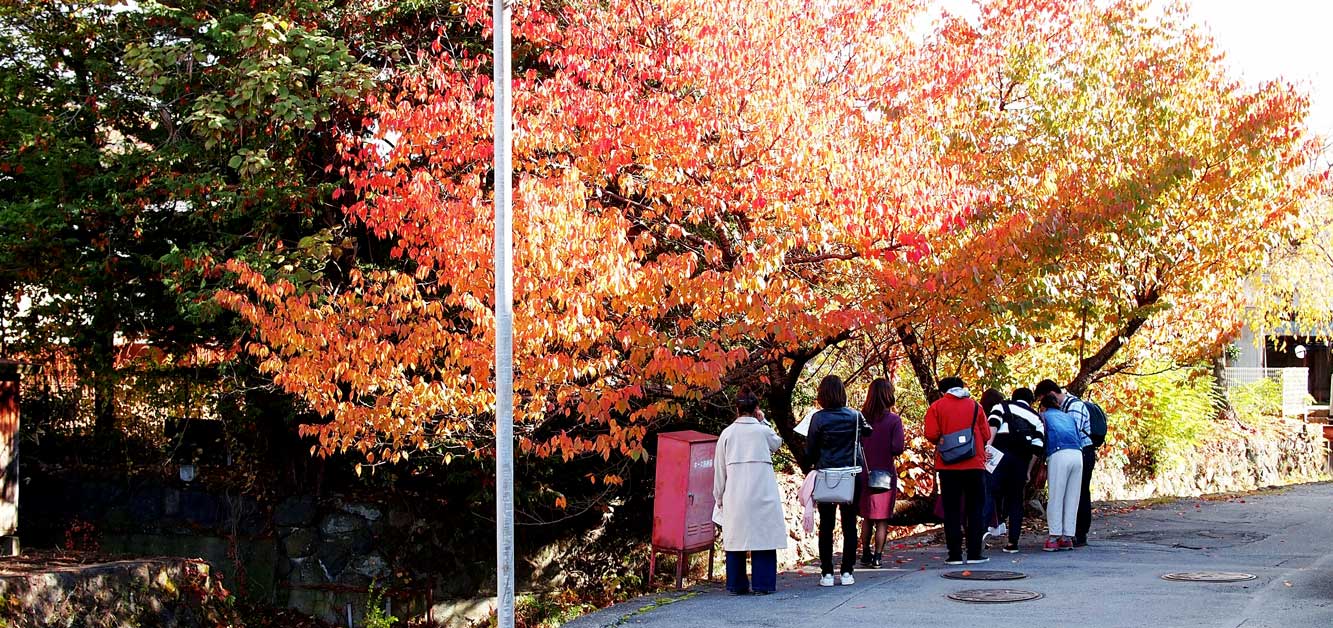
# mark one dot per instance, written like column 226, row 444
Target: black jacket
column 832, row 436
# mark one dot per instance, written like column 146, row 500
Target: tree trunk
column 103, row 369
column 1091, row 366
column 783, row 382
column 1221, row 392
column 916, row 355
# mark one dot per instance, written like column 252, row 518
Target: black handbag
column 881, row 481
column 961, row 445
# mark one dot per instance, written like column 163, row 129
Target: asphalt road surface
column 1283, row 537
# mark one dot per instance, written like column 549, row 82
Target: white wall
column 1251, row 354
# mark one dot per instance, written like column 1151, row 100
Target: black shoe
column 1080, row 542
column 758, row 592
column 954, row 560
column 866, row 557
column 738, row 592
column 1011, row 548
column 877, row 561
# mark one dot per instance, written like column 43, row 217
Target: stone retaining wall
column 167, row 592
column 1233, row 459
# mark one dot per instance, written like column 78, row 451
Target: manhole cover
column 1209, row 576
column 994, row 596
column 982, row 574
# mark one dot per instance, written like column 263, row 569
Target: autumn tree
column 1132, row 184
column 140, row 143
column 703, row 197
column 714, row 195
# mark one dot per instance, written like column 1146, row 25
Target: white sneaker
column 848, row 580
column 1001, row 530
column 826, row 580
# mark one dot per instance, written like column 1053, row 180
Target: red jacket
column 950, row 414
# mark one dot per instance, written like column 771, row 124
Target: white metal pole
column 504, row 319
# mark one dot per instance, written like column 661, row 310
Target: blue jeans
column 765, row 564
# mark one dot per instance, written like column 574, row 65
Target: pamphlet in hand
column 993, row 456
column 803, row 428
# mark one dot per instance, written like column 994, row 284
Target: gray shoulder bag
column 837, row 485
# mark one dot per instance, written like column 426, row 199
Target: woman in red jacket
column 962, row 481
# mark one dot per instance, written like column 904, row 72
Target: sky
column 1265, row 39
column 1278, row 38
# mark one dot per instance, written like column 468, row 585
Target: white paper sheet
column 993, row 456
column 803, row 428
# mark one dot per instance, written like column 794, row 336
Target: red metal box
column 683, row 502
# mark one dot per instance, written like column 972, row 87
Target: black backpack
column 1023, row 432
column 1096, row 421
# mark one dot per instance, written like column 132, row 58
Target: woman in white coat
column 748, row 500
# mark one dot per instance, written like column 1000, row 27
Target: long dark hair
column 879, row 400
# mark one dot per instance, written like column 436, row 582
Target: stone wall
column 172, row 593
column 331, row 552
column 318, row 556
column 1232, row 459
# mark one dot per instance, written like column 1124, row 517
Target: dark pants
column 1085, row 496
column 765, row 566
column 1011, row 478
column 990, row 503
column 963, row 493
column 827, row 513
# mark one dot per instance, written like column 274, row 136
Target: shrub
column 1158, row 417
column 1257, row 399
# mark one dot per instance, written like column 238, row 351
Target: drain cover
column 994, row 596
column 981, row 574
column 1209, row 576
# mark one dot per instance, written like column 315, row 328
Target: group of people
column 1045, row 423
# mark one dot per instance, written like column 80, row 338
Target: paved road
column 1285, row 537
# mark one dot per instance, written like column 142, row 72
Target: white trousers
column 1064, row 475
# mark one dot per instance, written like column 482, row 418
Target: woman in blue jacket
column 1064, row 469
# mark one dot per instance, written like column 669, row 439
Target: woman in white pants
column 1064, row 470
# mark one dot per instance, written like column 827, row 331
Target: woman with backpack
column 1064, row 469
column 879, row 480
column 833, row 444
column 748, row 499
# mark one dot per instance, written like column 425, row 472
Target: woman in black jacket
column 832, row 442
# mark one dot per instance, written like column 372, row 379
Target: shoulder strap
column 860, row 418
column 1068, row 404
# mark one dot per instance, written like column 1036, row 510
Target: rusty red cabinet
column 683, row 502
